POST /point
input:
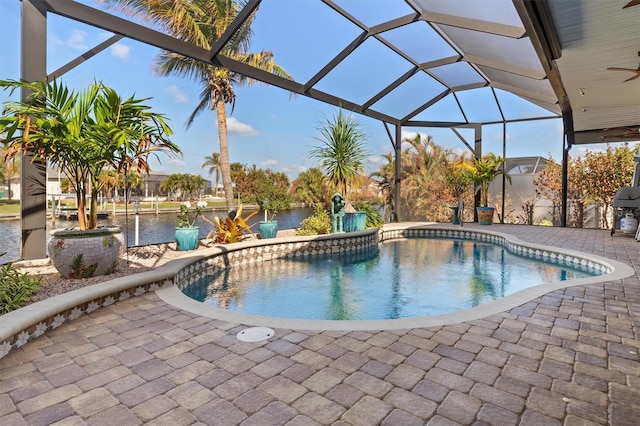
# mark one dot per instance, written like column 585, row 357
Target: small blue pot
column 354, row 222
column 187, row 238
column 268, row 229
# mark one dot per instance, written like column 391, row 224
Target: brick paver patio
column 569, row 357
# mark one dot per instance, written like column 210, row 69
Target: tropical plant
column 184, row 186
column 16, row 288
column 605, row 173
column 83, row 133
column 109, row 180
column 213, row 163
column 3, row 171
column 482, row 171
column 424, row 171
column 271, row 208
column 257, row 185
column 318, row 223
column 426, row 192
column 9, row 168
column 183, row 216
column 457, row 178
column 310, row 187
column 231, row 229
column 548, row 184
column 128, row 182
column 374, row 218
column 202, row 23
column 342, row 153
column 385, row 178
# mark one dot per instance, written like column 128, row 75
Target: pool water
column 399, row 279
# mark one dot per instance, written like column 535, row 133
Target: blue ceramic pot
column 354, row 222
column 485, row 215
column 268, row 229
column 187, row 238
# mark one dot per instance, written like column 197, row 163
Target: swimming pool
column 400, row 278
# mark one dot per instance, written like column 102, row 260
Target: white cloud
column 177, row 94
column 177, row 162
column 497, row 136
column 377, row 160
column 293, row 171
column 104, row 36
column 238, row 128
column 406, row 134
column 461, row 151
column 270, row 163
column 120, row 50
column 76, row 40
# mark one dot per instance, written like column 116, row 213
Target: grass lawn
column 7, row 206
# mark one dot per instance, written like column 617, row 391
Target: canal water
column 152, row 229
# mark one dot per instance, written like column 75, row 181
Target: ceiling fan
column 635, row 71
column 631, row 3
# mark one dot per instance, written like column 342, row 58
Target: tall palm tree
column 385, row 178
column 83, row 133
column 213, row 163
column 342, row 153
column 202, row 23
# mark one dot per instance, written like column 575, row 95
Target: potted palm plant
column 83, row 134
column 482, row 171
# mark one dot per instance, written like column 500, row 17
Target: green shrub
column 318, row 223
column 374, row 218
column 15, row 288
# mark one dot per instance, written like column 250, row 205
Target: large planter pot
column 81, row 254
column 485, row 215
column 187, row 238
column 354, row 222
column 268, row 229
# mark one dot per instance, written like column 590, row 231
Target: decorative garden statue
column 337, row 211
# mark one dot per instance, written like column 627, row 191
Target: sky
column 267, row 128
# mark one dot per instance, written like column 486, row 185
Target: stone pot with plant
column 482, row 171
column 83, row 134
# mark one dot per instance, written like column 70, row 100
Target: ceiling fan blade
column 620, row 69
column 631, row 3
column 633, row 78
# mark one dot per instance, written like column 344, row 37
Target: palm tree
column 213, row 163
column 342, row 153
column 202, row 23
column 482, row 171
column 10, row 168
column 84, row 133
column 385, row 178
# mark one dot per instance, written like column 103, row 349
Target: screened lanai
column 457, row 65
